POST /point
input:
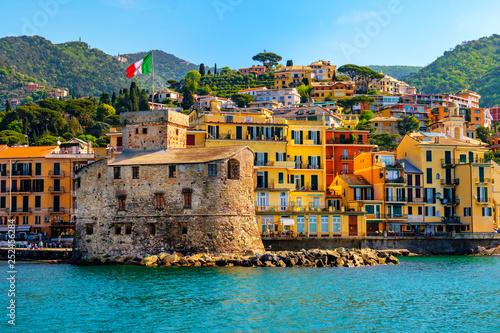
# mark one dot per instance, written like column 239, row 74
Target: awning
column 23, row 228
column 4, row 228
column 287, row 221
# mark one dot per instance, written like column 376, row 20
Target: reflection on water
column 441, row 294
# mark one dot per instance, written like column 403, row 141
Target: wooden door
column 353, row 225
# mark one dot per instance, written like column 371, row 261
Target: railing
column 395, row 216
column 415, row 200
column 56, row 189
column 246, row 137
column 55, row 173
column 484, row 180
column 57, row 209
column 331, row 193
column 408, row 234
column 21, row 173
column 399, row 180
column 347, row 157
column 311, row 166
column 450, row 219
column 483, row 201
column 452, row 201
column 450, row 181
column 395, row 199
column 310, row 188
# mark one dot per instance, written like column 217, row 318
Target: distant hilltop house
column 164, row 94
column 259, row 70
column 58, row 93
column 33, row 86
column 390, row 85
column 120, row 58
column 157, row 196
column 15, row 102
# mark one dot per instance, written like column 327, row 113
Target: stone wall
column 222, row 217
column 415, row 245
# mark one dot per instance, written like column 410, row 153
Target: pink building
column 495, row 113
column 254, row 69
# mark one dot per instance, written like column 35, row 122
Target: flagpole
column 152, row 82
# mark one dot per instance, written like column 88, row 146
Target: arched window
column 233, row 169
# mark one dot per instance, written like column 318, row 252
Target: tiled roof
column 27, row 152
column 354, row 179
column 176, row 156
column 380, row 119
column 250, row 89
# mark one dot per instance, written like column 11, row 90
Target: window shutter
column 217, row 132
column 265, row 179
column 277, row 157
column 301, row 137
column 309, row 135
column 485, row 194
column 302, row 180
column 318, row 133
column 478, row 194
column 265, row 158
column 319, row 162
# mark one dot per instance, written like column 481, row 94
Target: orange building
column 341, row 148
column 321, row 90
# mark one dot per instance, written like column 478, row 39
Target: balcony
column 311, row 166
column 450, row 181
column 333, row 194
column 289, row 164
column 399, row 180
column 25, row 210
column 58, row 210
column 415, row 200
column 56, row 189
column 395, row 199
column 483, row 201
column 349, row 157
column 450, row 201
column 245, row 137
column 271, row 209
column 393, row 216
column 450, row 219
column 484, row 180
column 308, row 188
column 56, row 173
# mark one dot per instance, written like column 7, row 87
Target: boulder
column 249, row 253
column 183, row 262
column 150, row 261
column 339, row 262
column 120, row 260
column 381, row 261
column 221, row 262
column 392, row 260
column 319, row 263
column 280, row 263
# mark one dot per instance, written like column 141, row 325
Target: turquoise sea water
column 423, row 294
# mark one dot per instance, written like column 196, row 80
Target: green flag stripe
column 146, row 64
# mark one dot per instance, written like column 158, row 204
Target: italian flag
column 140, row 67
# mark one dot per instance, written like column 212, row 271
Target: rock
column 169, row 259
column 150, row 261
column 339, row 262
column 162, row 255
column 130, row 258
column 268, row 264
column 183, row 262
column 269, row 257
column 392, row 260
column 381, row 261
column 120, row 260
column 249, row 253
column 280, row 263
column 349, row 264
column 221, row 262
column 197, row 264
column 319, row 263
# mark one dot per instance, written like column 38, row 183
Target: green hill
column 86, row 71
column 397, row 72
column 473, row 65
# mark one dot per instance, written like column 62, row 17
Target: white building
column 285, row 96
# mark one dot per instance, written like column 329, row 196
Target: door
column 283, row 201
column 353, row 225
column 314, row 182
column 447, row 157
column 57, row 203
column 239, row 133
column 377, row 211
column 448, row 175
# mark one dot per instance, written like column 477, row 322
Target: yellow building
column 385, row 125
column 323, row 70
column 322, row 90
column 349, row 120
column 37, row 187
column 291, row 76
column 457, row 182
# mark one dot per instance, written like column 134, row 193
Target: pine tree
column 7, row 106
column 202, row 69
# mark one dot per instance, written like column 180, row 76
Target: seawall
column 419, row 245
column 25, row 254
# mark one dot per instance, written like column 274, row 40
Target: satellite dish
column 445, row 200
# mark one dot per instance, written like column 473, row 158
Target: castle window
column 89, row 229
column 212, row 170
column 171, row 171
column 128, row 229
column 117, row 172
column 144, row 130
column 159, row 200
column 121, row 202
column 186, row 193
column 136, row 131
column 184, row 228
column 152, row 229
column 233, row 169
column 135, row 172
column 118, row 229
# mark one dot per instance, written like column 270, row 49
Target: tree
column 193, row 75
column 47, row 140
column 7, row 106
column 364, row 101
column 408, row 124
column 304, row 92
column 366, row 115
column 88, row 138
column 105, row 98
column 305, row 81
column 16, row 126
column 482, row 133
column 373, row 91
column 113, row 99
column 242, row 100
column 209, row 72
column 215, row 70
column 268, row 59
column 202, row 69
column 134, row 96
column 385, row 141
column 104, row 110
column 173, row 84
column 187, row 99
column 143, row 102
column 359, row 74
column 346, row 104
column 12, row 138
column 289, row 63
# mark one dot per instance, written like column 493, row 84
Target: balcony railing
column 484, row 180
column 349, row 157
column 395, row 199
column 415, row 200
column 57, row 209
column 311, row 166
column 58, row 189
column 56, row 173
column 450, row 219
column 452, row 201
column 331, row 193
column 399, row 180
column 450, row 181
column 483, row 201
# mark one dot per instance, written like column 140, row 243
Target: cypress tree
column 202, row 69
column 8, row 106
column 289, row 63
column 113, row 99
column 209, row 72
column 215, row 70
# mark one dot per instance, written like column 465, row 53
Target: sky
column 231, row 32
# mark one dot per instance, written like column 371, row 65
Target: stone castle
column 159, row 196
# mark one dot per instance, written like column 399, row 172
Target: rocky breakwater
column 305, row 258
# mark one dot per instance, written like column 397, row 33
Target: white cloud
column 356, row 17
